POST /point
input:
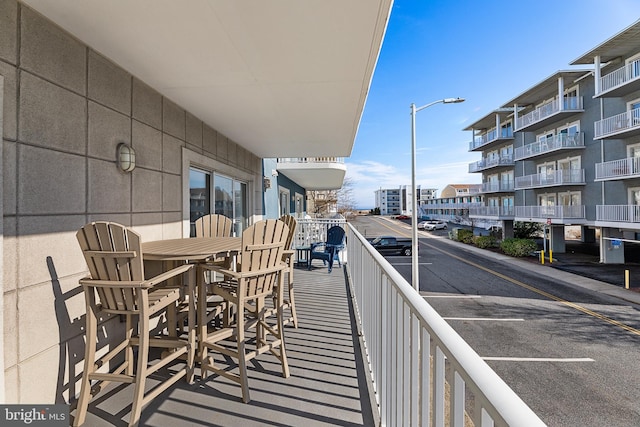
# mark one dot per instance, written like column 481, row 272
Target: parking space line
column 492, row 319
column 539, row 359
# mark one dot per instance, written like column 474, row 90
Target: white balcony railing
column 623, row 168
column 314, row 230
column 310, row 159
column 495, row 187
column 558, row 211
column 549, row 144
column 412, row 353
column 492, row 211
column 620, row 77
column 617, row 124
column 618, row 213
column 550, row 179
column 571, row 103
column 489, row 137
column 488, row 163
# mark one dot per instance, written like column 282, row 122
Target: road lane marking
column 492, row 319
column 539, row 359
column 408, row 263
column 536, row 290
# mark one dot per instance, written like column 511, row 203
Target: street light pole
column 415, row 270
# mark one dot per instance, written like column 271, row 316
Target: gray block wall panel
column 173, row 119
column 147, row 104
column 9, row 31
column 194, row 131
column 10, row 101
column 10, row 253
column 50, row 52
column 107, row 128
column 209, row 140
column 232, row 153
column 109, row 84
column 51, row 116
column 147, row 142
column 9, row 162
column 109, row 188
column 50, row 182
column 171, row 192
column 147, row 191
column 171, row 154
column 221, row 148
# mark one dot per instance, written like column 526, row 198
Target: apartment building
column 454, row 203
column 564, row 151
column 395, row 201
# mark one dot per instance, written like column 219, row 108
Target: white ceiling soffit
column 282, row 78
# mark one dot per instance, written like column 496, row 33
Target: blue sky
column 487, row 52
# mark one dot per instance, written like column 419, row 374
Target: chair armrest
column 169, row 274
column 142, row 284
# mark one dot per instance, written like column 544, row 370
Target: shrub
column 465, row 236
column 518, row 247
column 484, row 242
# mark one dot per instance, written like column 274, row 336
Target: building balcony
column 618, row 169
column 492, row 212
column 620, row 82
column 618, row 214
column 558, row 214
column 490, row 163
column 558, row 142
column 498, row 187
column 550, row 179
column 551, row 111
column 314, row 173
column 483, row 141
column 620, row 126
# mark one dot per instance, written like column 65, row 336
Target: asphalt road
column 570, row 353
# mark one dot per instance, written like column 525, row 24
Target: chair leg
column 89, row 361
column 242, row 358
column 283, row 354
column 141, row 370
column 292, row 302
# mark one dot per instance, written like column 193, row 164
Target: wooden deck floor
column 327, row 385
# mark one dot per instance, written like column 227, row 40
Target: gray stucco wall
column 66, row 108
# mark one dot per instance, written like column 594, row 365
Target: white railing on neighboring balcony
column 499, row 211
column 489, row 137
column 619, row 123
column 557, row 211
column 491, row 162
column 570, row 103
column 549, row 144
column 312, row 230
column 623, row 168
column 621, row 76
column 618, row 213
column 494, row 187
column 412, row 352
column 310, row 159
column 549, row 179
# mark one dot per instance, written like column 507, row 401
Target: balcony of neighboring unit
column 561, row 141
column 489, row 163
column 620, row 126
column 483, row 141
column 314, row 173
column 549, row 112
column 620, row 82
column 497, row 187
column 558, row 214
column 618, row 214
column 618, row 169
column 551, row 179
column 492, row 212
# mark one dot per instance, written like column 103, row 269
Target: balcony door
column 633, row 66
column 570, row 169
column 547, row 203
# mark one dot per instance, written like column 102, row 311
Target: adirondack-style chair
column 214, row 225
column 258, row 275
column 116, row 286
column 329, row 250
column 289, row 259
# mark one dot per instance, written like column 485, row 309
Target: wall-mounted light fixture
column 126, row 157
column 266, row 182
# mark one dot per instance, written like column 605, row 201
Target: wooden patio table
column 193, row 250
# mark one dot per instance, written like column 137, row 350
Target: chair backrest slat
column 214, row 225
column 291, row 222
column 113, row 253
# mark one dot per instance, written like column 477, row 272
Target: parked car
column 403, row 217
column 388, row 245
column 433, row 225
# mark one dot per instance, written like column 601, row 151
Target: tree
column 527, row 230
column 346, row 203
